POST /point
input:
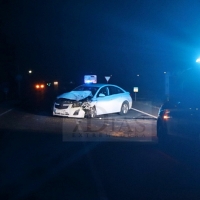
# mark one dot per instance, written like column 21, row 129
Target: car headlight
column 76, row 104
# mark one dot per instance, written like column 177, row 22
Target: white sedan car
column 90, row 100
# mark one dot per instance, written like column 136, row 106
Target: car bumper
column 69, row 112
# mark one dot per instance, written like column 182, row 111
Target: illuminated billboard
column 90, row 79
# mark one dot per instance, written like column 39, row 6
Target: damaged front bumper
column 75, row 104
column 77, row 112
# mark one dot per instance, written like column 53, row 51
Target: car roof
column 98, row 84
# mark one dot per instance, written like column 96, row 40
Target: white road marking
column 5, row 112
column 144, row 113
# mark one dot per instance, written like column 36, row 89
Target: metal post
column 167, row 85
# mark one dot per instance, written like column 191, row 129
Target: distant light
column 55, row 82
column 38, row 86
column 138, row 75
column 30, row 71
column 198, row 60
column 135, row 89
column 165, row 72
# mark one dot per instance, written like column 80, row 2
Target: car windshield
column 87, row 88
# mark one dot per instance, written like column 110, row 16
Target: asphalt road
column 42, row 159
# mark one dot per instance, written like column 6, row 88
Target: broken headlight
column 76, row 104
column 86, row 105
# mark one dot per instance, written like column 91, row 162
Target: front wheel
column 161, row 133
column 93, row 112
column 124, row 108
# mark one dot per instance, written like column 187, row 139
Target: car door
column 194, row 124
column 193, row 119
column 103, row 101
column 184, row 121
column 116, row 98
column 189, row 121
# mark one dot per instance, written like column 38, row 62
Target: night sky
column 66, row 39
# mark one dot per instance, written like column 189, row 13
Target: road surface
column 41, row 159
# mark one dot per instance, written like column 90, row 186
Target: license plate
column 59, row 112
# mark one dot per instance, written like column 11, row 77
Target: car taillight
column 166, row 114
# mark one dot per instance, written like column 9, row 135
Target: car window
column 104, row 91
column 115, row 90
column 85, row 88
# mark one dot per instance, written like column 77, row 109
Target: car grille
column 61, row 106
column 62, row 103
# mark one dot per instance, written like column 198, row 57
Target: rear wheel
column 124, row 108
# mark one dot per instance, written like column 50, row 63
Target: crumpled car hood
column 76, row 95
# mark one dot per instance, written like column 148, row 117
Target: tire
column 124, row 108
column 93, row 113
column 161, row 133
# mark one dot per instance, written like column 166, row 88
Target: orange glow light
column 39, row 86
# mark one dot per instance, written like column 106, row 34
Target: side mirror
column 102, row 95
